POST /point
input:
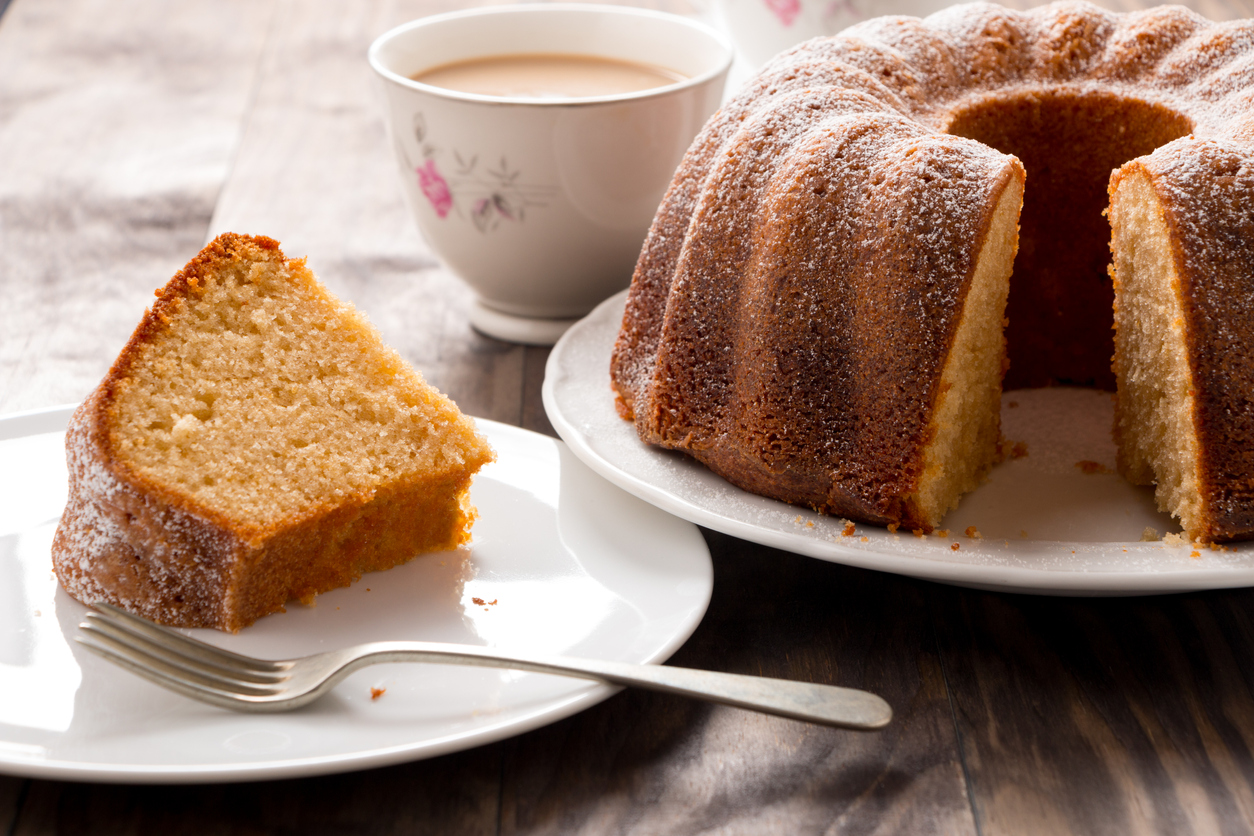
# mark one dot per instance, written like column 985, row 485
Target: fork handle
column 828, row 705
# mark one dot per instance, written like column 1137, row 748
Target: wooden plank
column 1104, row 716
column 11, row 792
column 534, row 417
column 117, row 126
column 453, row 796
column 652, row 764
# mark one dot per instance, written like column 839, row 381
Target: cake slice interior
column 1155, row 404
column 257, row 442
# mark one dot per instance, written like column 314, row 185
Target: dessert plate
column 1057, row 520
column 562, row 562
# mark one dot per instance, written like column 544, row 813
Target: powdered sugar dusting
column 926, row 70
column 102, row 530
column 802, row 181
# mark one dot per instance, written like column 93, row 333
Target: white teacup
column 541, row 205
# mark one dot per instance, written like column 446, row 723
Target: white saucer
column 1045, row 526
column 562, row 562
column 517, row 329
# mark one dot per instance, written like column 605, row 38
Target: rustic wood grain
column 533, row 416
column 11, row 792
column 1104, row 716
column 452, row 796
column 653, row 764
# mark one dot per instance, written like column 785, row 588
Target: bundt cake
column 817, row 312
column 255, row 442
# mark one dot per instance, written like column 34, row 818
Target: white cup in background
column 764, row 28
column 541, row 205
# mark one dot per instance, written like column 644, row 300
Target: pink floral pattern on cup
column 785, row 10
column 435, row 188
column 488, row 194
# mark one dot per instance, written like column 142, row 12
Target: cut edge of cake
column 1154, row 403
column 965, row 426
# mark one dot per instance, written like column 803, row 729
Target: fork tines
column 175, row 661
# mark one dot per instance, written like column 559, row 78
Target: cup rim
column 729, row 54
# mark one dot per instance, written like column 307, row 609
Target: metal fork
column 209, row 674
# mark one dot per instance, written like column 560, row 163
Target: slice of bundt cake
column 254, row 443
column 1183, row 243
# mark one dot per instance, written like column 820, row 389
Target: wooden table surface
column 132, row 131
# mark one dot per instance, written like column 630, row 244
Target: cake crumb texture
column 1183, row 246
column 255, row 443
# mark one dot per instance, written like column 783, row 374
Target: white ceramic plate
column 1045, row 526
column 562, row 561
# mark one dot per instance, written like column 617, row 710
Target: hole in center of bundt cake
column 1061, row 294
